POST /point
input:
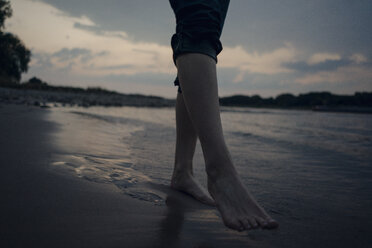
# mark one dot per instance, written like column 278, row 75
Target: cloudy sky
column 270, row 47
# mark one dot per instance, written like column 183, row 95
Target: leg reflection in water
column 171, row 226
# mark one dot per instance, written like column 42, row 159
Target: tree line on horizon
column 286, row 100
column 306, row 100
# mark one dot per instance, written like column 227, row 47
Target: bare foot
column 238, row 208
column 186, row 183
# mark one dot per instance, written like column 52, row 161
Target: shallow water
column 310, row 170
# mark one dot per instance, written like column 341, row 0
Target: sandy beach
column 42, row 207
column 55, row 193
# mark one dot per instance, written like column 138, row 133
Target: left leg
column 183, row 179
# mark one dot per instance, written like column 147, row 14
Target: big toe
column 271, row 224
column 234, row 224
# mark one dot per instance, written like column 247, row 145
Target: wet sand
column 41, row 208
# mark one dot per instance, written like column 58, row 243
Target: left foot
column 185, row 182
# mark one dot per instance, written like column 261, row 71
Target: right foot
column 238, row 208
column 185, row 182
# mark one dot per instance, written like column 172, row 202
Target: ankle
column 220, row 169
column 183, row 170
column 179, row 177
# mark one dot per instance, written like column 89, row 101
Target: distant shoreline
column 39, row 93
column 68, row 96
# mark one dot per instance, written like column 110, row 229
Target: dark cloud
column 41, row 60
column 66, row 54
column 114, row 67
column 328, row 65
column 90, row 28
column 145, row 51
column 83, row 54
column 44, row 61
column 97, row 30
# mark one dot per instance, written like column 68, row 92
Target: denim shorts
column 199, row 27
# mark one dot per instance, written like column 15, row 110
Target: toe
column 262, row 222
column 234, row 224
column 253, row 223
column 246, row 224
column 271, row 223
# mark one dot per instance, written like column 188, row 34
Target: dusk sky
column 270, row 47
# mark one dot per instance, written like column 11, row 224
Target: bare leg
column 182, row 178
column 239, row 210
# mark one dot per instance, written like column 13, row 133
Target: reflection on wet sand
column 171, row 226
